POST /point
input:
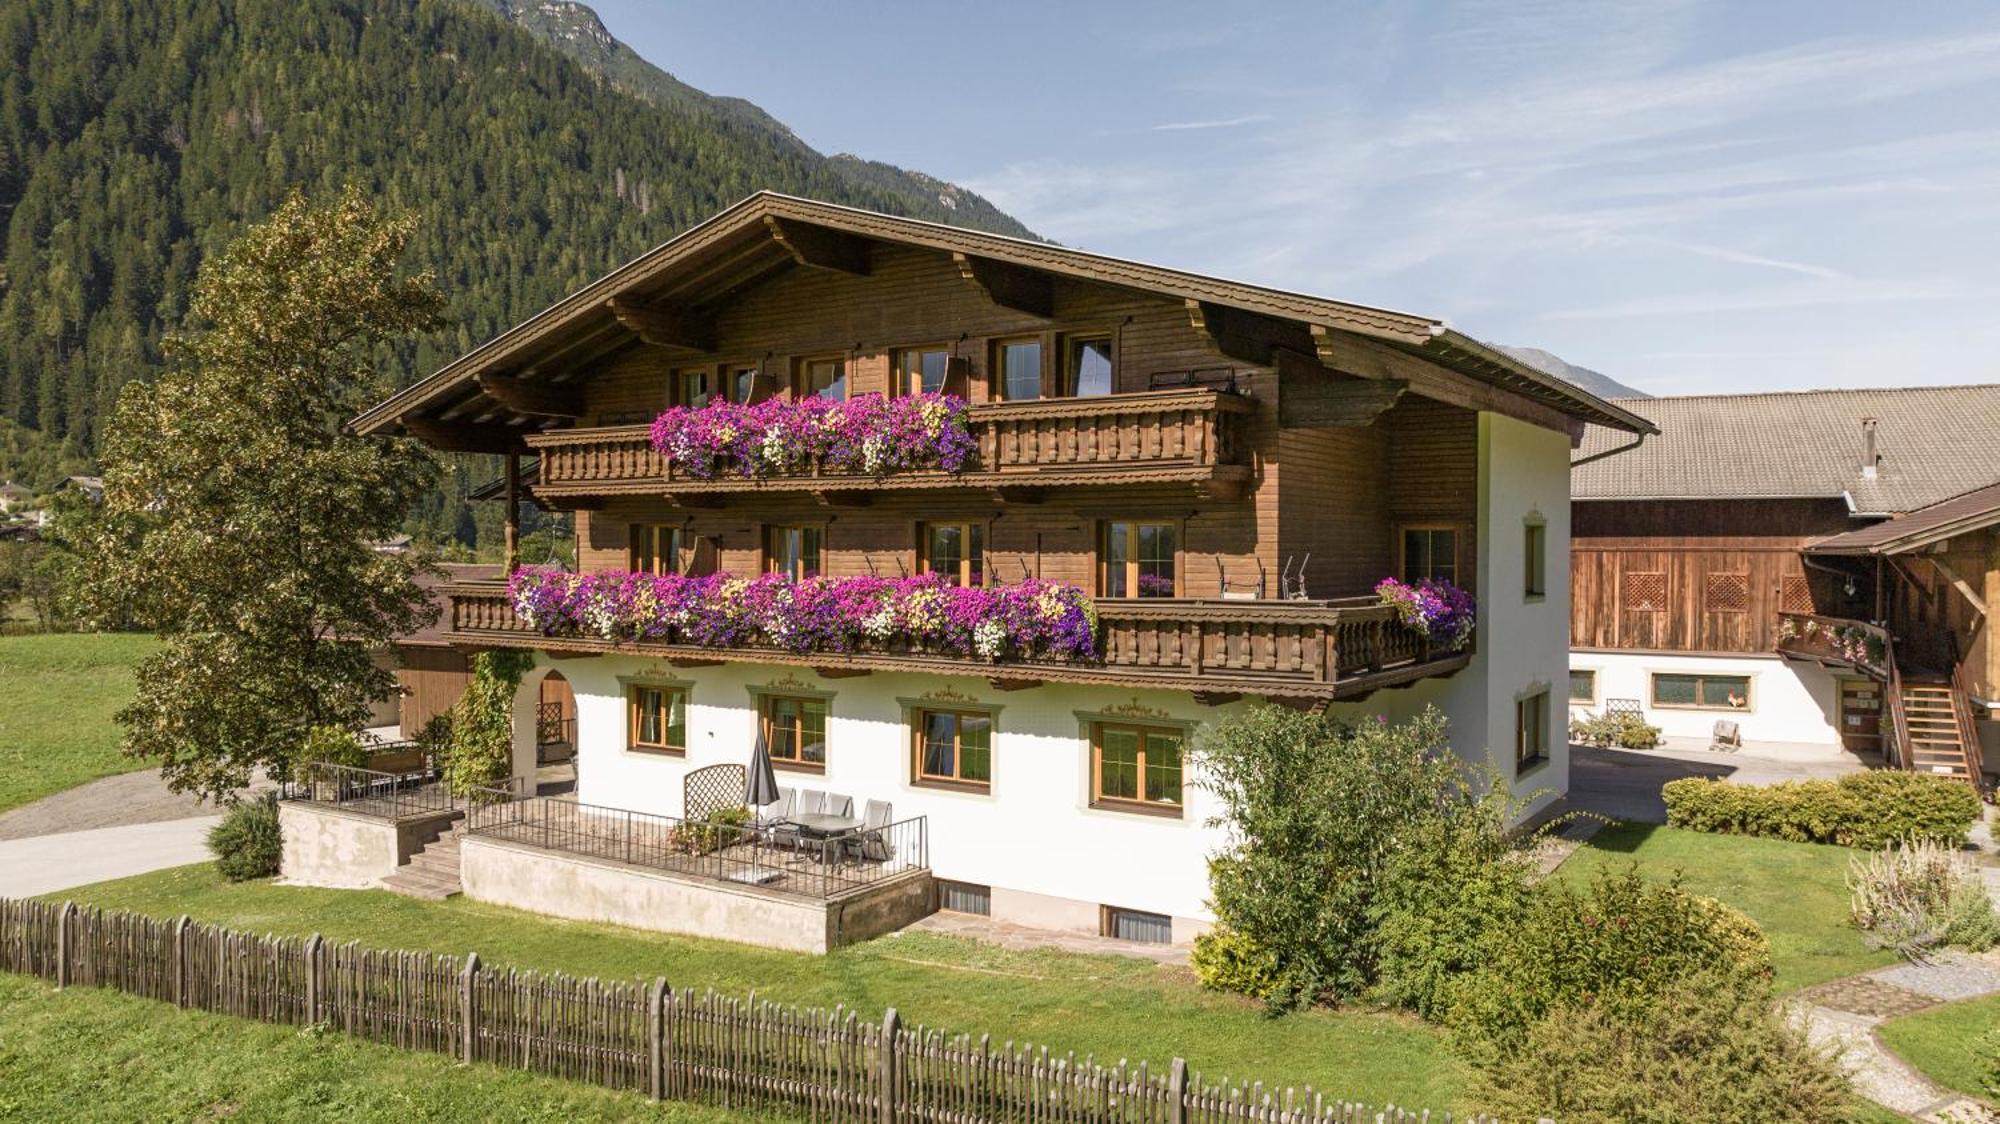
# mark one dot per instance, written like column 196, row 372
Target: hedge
column 1871, row 809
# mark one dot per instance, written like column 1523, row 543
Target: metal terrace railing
column 373, row 792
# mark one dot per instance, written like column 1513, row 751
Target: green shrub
column 335, row 745
column 703, row 837
column 1621, row 941
column 1226, row 960
column 1919, row 896
column 1990, row 1045
column 247, row 843
column 1871, row 809
column 1435, row 905
column 1707, row 1048
column 1621, row 729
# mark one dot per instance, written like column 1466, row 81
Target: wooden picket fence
column 647, row 1037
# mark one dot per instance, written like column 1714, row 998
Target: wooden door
column 1861, row 715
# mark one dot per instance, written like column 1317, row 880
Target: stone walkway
column 1846, row 1013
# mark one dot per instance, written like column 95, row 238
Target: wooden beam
column 1017, row 493
column 840, row 672
column 510, row 543
column 1010, row 286
column 1965, row 589
column 542, row 399
column 1005, row 683
column 821, row 247
column 463, row 437
column 1217, row 698
column 843, row 497
column 1243, row 336
column 1351, row 354
column 1312, row 397
column 692, row 661
column 665, row 325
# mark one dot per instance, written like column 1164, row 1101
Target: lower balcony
column 1835, row 641
column 1305, row 651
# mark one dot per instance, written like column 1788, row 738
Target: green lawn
column 1796, row 891
column 87, row 1054
column 1943, row 1042
column 1115, row 1007
column 56, row 728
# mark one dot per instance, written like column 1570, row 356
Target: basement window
column 1133, row 925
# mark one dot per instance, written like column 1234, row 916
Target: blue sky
column 1688, row 196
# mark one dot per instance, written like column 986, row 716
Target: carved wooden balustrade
column 1191, row 436
column 1305, row 650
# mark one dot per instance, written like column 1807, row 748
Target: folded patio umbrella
column 761, row 786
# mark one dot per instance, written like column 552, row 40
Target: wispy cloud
column 1224, row 123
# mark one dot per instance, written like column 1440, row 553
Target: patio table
column 821, row 826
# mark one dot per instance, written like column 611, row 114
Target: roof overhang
column 515, row 382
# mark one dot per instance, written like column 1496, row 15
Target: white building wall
column 1789, row 702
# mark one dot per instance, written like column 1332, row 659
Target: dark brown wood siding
column 432, row 680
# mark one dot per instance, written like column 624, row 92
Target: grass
column 1796, row 891
column 86, row 1054
column 1944, row 1042
column 62, row 691
column 1111, row 1006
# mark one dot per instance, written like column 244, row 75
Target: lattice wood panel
column 1795, row 594
column 707, row 791
column 1643, row 591
column 1726, row 593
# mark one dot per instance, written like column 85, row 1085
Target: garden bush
column 1622, row 730
column 1920, row 896
column 1871, row 809
column 1434, row 907
column 247, row 843
column 1226, row 960
column 335, row 745
column 1708, row 1047
column 1620, row 942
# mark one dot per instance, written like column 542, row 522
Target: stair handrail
column 1897, row 742
column 1961, row 714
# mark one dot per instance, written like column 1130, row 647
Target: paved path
column 128, row 798
column 1846, row 1013
column 1624, row 784
column 47, row 863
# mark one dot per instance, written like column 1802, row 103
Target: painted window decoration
column 1582, row 685
column 776, row 437
column 657, row 548
column 1535, row 559
column 795, row 552
column 1137, row 766
column 1137, row 559
column 1430, row 553
column 1031, row 619
column 795, row 730
column 1701, row 691
column 1086, row 367
column 657, row 718
column 955, row 552
column 1020, row 370
column 954, row 746
column 922, row 370
column 1531, row 731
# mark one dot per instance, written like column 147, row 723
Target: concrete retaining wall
column 324, row 846
column 585, row 889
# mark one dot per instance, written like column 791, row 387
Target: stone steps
column 432, row 873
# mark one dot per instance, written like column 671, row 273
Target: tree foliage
column 237, row 513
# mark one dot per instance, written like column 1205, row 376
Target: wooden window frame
column 795, row 763
column 679, row 536
column 1138, row 805
column 983, row 526
column 1531, row 753
column 1457, row 548
column 956, row 783
column 999, row 366
column 1749, row 691
column 1596, row 683
column 900, row 386
column 801, row 363
column 1066, row 340
column 711, row 373
column 668, row 691
column 1101, row 563
column 725, row 378
column 1534, row 559
column 768, row 562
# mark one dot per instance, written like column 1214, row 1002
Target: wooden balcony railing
column 1312, row 650
column 1830, row 640
column 1190, row 436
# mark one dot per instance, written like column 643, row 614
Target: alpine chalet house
column 973, row 535
column 1813, row 566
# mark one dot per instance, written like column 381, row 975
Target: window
column 795, row 729
column 955, row 550
column 1534, row 542
column 954, row 747
column 792, row 551
column 965, row 897
column 1137, row 559
column 694, row 387
column 821, row 378
column 1430, row 552
column 1582, row 685
column 922, row 370
column 1086, row 367
column 1133, row 925
column 1702, row 692
column 1531, row 731
column 656, row 548
column 1021, row 369
column 657, row 719
column 742, row 384
column 1136, row 766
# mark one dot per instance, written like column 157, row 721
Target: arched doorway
column 555, row 721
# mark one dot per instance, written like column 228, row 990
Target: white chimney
column 1869, row 458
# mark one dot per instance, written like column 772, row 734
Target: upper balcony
column 1308, row 651
column 1192, row 436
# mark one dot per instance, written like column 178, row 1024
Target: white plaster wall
column 1789, row 702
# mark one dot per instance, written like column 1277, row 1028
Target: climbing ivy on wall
column 482, row 722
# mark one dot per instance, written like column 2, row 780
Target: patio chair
column 780, row 811
column 1728, row 736
column 838, row 805
column 810, row 801
column 871, row 843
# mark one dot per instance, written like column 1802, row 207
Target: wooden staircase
column 1938, row 739
column 432, row 872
